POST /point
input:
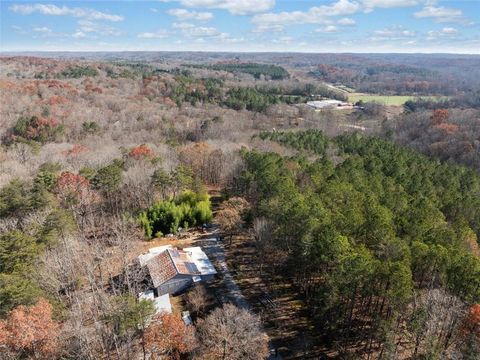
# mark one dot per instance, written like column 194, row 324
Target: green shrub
column 87, row 172
column 46, row 180
column 90, row 127
column 108, row 178
column 36, row 128
column 188, row 209
column 78, row 72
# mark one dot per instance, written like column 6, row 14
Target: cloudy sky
column 242, row 25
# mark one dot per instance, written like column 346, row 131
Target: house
column 172, row 270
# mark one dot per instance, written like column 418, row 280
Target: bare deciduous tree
column 197, row 299
column 231, row 333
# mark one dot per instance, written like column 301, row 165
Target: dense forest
column 380, row 243
column 273, row 72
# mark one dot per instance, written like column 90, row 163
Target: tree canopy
column 366, row 234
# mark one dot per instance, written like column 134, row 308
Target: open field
column 396, row 100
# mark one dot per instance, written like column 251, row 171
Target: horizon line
column 232, row 52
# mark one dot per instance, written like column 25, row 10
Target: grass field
column 384, row 99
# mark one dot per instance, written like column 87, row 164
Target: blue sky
column 242, row 25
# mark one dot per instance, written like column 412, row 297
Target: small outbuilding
column 161, row 303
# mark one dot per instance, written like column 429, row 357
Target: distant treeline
column 188, row 89
column 273, row 72
column 470, row 99
column 389, row 78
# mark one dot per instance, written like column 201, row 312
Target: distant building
column 329, row 104
column 172, row 270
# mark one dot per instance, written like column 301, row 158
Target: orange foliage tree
column 74, row 190
column 229, row 217
column 448, row 128
column 30, row 331
column 71, row 184
column 169, row 336
column 472, row 321
column 439, row 116
column 75, row 150
column 141, row 152
column 205, row 161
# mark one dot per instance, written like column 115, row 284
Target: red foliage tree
column 449, row 129
column 169, row 336
column 39, row 125
column 31, row 331
column 68, row 181
column 75, row 150
column 72, row 188
column 141, row 152
column 439, row 116
column 472, row 321
column 56, row 100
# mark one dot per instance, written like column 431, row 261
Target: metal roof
column 168, row 264
column 203, row 264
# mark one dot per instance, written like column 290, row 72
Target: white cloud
column 190, row 30
column 314, row 15
column 441, row 14
column 201, row 31
column 445, row 33
column 153, row 10
column 369, row 5
column 183, row 14
column 88, row 26
column 43, row 29
column 449, row 31
column 226, row 38
column 160, row 34
column 50, row 9
column 182, row 25
column 283, row 40
column 328, row 29
column 268, row 28
column 79, row 35
column 392, row 33
column 346, row 22
column 236, row 7
column 44, row 32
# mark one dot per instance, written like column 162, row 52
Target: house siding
column 174, row 285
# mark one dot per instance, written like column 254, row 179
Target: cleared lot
column 395, row 100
